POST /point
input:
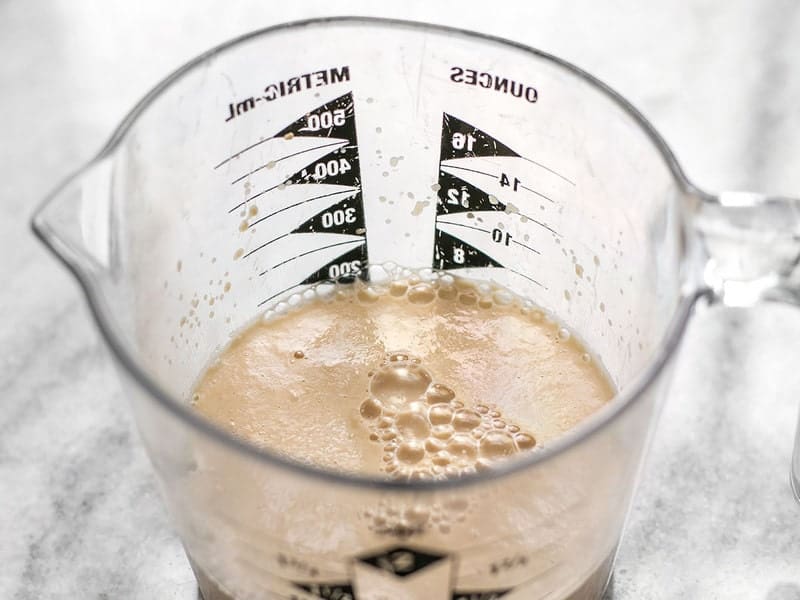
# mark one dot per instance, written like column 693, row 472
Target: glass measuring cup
column 254, row 172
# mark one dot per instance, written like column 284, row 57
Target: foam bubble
column 368, row 295
column 503, row 297
column 325, row 290
column 524, row 441
column 468, row 298
column 417, row 514
column 410, row 452
column 413, row 424
column 448, row 292
column 440, row 414
column 485, row 303
column 399, row 382
column 496, row 444
column 421, row 293
column 466, row 419
column 433, row 445
column 439, row 392
column 443, row 432
column 441, row 459
column 462, row 446
column 398, row 288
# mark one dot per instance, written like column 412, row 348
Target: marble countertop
column 80, row 514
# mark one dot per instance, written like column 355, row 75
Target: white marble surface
column 80, row 515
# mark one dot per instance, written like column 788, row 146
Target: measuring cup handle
column 74, row 221
column 745, row 249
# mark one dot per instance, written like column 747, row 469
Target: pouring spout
column 74, row 221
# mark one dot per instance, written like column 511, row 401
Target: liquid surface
column 408, row 379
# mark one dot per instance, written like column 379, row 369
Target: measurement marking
column 325, row 567
column 280, row 264
column 538, row 574
column 246, row 200
column 524, row 187
column 264, row 166
column 531, row 279
column 238, row 154
column 265, row 244
column 280, row 210
column 492, row 175
column 513, row 241
column 263, row 302
column 254, row 196
column 540, row 224
column 538, row 164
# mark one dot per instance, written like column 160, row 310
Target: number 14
column 505, row 182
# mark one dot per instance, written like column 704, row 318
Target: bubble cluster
column 420, row 287
column 403, row 519
column 426, row 431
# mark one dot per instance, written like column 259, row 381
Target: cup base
column 595, row 587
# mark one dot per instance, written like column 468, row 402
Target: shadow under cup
column 310, row 151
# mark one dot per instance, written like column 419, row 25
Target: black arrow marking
column 295, row 257
column 299, row 127
column 346, row 216
column 359, row 254
column 339, row 168
column 450, row 252
column 476, row 142
column 342, row 121
column 287, row 207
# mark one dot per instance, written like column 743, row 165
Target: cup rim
column 584, row 430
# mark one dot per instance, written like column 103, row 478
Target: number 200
column 345, row 268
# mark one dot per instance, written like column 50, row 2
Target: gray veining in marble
column 80, row 515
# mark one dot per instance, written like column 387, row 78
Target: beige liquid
column 424, row 380
column 409, row 379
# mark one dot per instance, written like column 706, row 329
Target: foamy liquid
column 412, row 378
